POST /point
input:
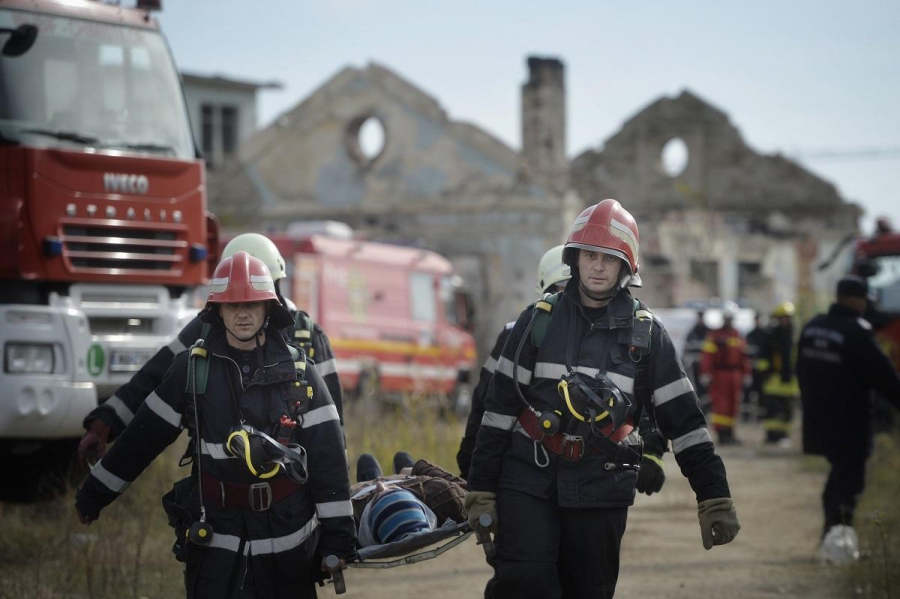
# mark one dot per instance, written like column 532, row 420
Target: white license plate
column 128, row 360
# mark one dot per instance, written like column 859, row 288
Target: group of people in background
column 746, row 378
column 833, row 368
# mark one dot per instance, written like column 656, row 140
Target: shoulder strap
column 198, row 367
column 640, row 331
column 303, row 332
column 542, row 315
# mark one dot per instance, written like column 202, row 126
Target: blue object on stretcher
column 456, row 532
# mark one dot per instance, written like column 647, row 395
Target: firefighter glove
column 652, row 474
column 479, row 503
column 93, row 444
column 718, row 521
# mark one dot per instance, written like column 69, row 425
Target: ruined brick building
column 732, row 224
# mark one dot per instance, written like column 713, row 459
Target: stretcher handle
column 484, row 535
column 337, row 576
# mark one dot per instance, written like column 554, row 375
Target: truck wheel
column 38, row 475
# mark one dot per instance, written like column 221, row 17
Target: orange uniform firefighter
column 726, row 365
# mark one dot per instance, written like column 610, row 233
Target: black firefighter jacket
column 505, row 454
column 280, row 537
column 120, row 409
column 839, row 363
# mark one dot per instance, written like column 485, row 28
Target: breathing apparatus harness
column 264, row 456
column 597, row 407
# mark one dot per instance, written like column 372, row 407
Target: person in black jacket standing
column 270, row 483
column 556, row 454
column 838, row 366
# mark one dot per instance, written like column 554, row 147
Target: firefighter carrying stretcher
column 556, row 456
column 270, row 478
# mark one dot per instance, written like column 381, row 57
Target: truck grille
column 109, row 325
column 124, row 246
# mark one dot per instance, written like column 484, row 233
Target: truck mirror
column 866, row 269
column 21, row 39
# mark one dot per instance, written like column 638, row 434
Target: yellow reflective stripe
column 301, row 334
column 710, row 347
column 199, row 351
column 655, row 460
column 300, row 366
column 762, row 364
column 542, row 305
column 396, row 347
column 777, row 425
column 723, row 420
column 775, row 386
column 734, row 342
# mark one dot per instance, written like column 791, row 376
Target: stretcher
column 409, row 549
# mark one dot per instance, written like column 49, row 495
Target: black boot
column 402, row 460
column 367, row 468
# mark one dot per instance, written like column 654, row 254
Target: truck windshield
column 886, row 283
column 86, row 83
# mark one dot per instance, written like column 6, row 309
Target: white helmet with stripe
column 258, row 246
column 551, row 270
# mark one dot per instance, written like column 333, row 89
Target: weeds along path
column 778, row 502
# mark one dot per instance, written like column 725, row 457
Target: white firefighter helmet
column 258, row 246
column 551, row 269
column 729, row 310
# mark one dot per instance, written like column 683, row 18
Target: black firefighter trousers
column 845, row 484
column 548, row 552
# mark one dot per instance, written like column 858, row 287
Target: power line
column 836, row 155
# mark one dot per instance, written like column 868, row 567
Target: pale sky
column 799, row 77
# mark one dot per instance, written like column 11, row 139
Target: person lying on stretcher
column 418, row 497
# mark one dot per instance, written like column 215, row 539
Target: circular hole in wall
column 366, row 139
column 674, row 157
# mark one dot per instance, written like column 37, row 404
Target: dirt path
column 778, row 503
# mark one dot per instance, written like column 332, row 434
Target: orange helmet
column 608, row 228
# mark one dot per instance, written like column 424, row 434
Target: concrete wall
column 436, row 183
column 731, row 209
column 197, row 94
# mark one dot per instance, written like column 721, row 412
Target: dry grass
column 878, row 525
column 45, row 553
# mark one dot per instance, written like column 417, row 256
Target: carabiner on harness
column 540, row 445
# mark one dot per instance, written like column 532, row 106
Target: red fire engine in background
column 397, row 317
column 103, row 220
column 878, row 259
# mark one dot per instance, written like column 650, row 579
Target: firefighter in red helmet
column 557, row 453
column 269, row 483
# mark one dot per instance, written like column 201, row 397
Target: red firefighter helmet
column 608, row 228
column 239, row 279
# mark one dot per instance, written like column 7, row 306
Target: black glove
column 652, row 475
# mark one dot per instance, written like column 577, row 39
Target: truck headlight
column 22, row 358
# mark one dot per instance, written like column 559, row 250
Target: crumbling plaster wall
column 730, row 205
column 445, row 185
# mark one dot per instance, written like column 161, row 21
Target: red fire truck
column 103, row 220
column 878, row 259
column 396, row 316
